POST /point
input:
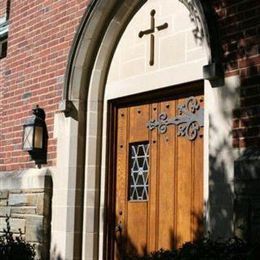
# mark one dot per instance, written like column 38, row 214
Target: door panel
column 153, row 180
column 166, row 182
column 170, row 213
column 137, row 209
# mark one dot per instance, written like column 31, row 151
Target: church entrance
column 156, row 171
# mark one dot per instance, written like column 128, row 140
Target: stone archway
column 103, row 23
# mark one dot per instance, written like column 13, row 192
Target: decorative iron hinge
column 189, row 120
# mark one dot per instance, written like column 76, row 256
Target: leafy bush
column 207, row 249
column 14, row 248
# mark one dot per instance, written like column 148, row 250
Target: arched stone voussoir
column 94, row 44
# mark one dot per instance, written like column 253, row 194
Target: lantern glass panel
column 28, row 138
column 38, row 137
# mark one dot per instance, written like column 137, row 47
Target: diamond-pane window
column 139, row 168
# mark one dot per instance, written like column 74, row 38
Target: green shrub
column 207, row 249
column 14, row 248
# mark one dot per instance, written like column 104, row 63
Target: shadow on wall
column 55, row 255
column 236, row 198
column 221, row 158
column 240, row 41
column 43, row 232
column 247, row 201
column 220, row 200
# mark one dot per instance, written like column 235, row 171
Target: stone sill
column 26, row 179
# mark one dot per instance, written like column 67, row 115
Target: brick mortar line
column 246, row 58
column 243, row 98
column 246, row 107
column 244, row 127
column 240, row 21
column 245, row 138
column 236, row 5
column 239, row 31
column 221, row 19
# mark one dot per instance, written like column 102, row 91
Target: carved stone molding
column 198, row 31
column 204, row 18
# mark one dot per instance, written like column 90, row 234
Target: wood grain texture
column 153, row 180
column 184, row 188
column 172, row 214
column 166, row 185
column 121, row 181
column 137, row 210
column 197, row 214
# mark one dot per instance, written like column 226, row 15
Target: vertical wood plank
column 137, row 228
column 173, row 213
column 137, row 223
column 139, row 116
column 197, row 229
column 166, row 181
column 184, row 189
column 121, row 168
column 153, row 201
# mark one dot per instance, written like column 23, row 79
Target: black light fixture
column 35, row 136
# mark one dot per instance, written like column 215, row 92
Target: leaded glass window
column 139, row 171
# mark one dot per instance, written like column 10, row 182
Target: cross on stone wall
column 151, row 32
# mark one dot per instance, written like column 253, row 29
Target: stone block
column 40, row 204
column 34, row 228
column 173, row 50
column 23, row 210
column 24, row 180
column 3, row 194
column 132, row 68
column 3, row 202
column 15, row 224
column 35, row 199
column 5, row 211
column 17, row 199
column 26, row 199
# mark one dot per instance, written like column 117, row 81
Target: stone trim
column 25, row 179
column 25, row 196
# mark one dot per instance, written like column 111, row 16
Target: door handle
column 119, row 227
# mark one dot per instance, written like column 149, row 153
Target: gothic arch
column 103, row 17
column 89, row 60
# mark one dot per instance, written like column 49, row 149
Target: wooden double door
column 158, row 172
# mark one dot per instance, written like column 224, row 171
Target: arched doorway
column 87, row 74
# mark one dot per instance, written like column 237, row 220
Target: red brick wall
column 40, row 37
column 3, row 8
column 239, row 23
column 2, row 66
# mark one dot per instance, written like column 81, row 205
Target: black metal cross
column 151, row 32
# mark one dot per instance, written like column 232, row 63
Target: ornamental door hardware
column 189, row 120
column 151, row 32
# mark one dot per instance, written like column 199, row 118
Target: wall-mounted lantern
column 35, row 136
